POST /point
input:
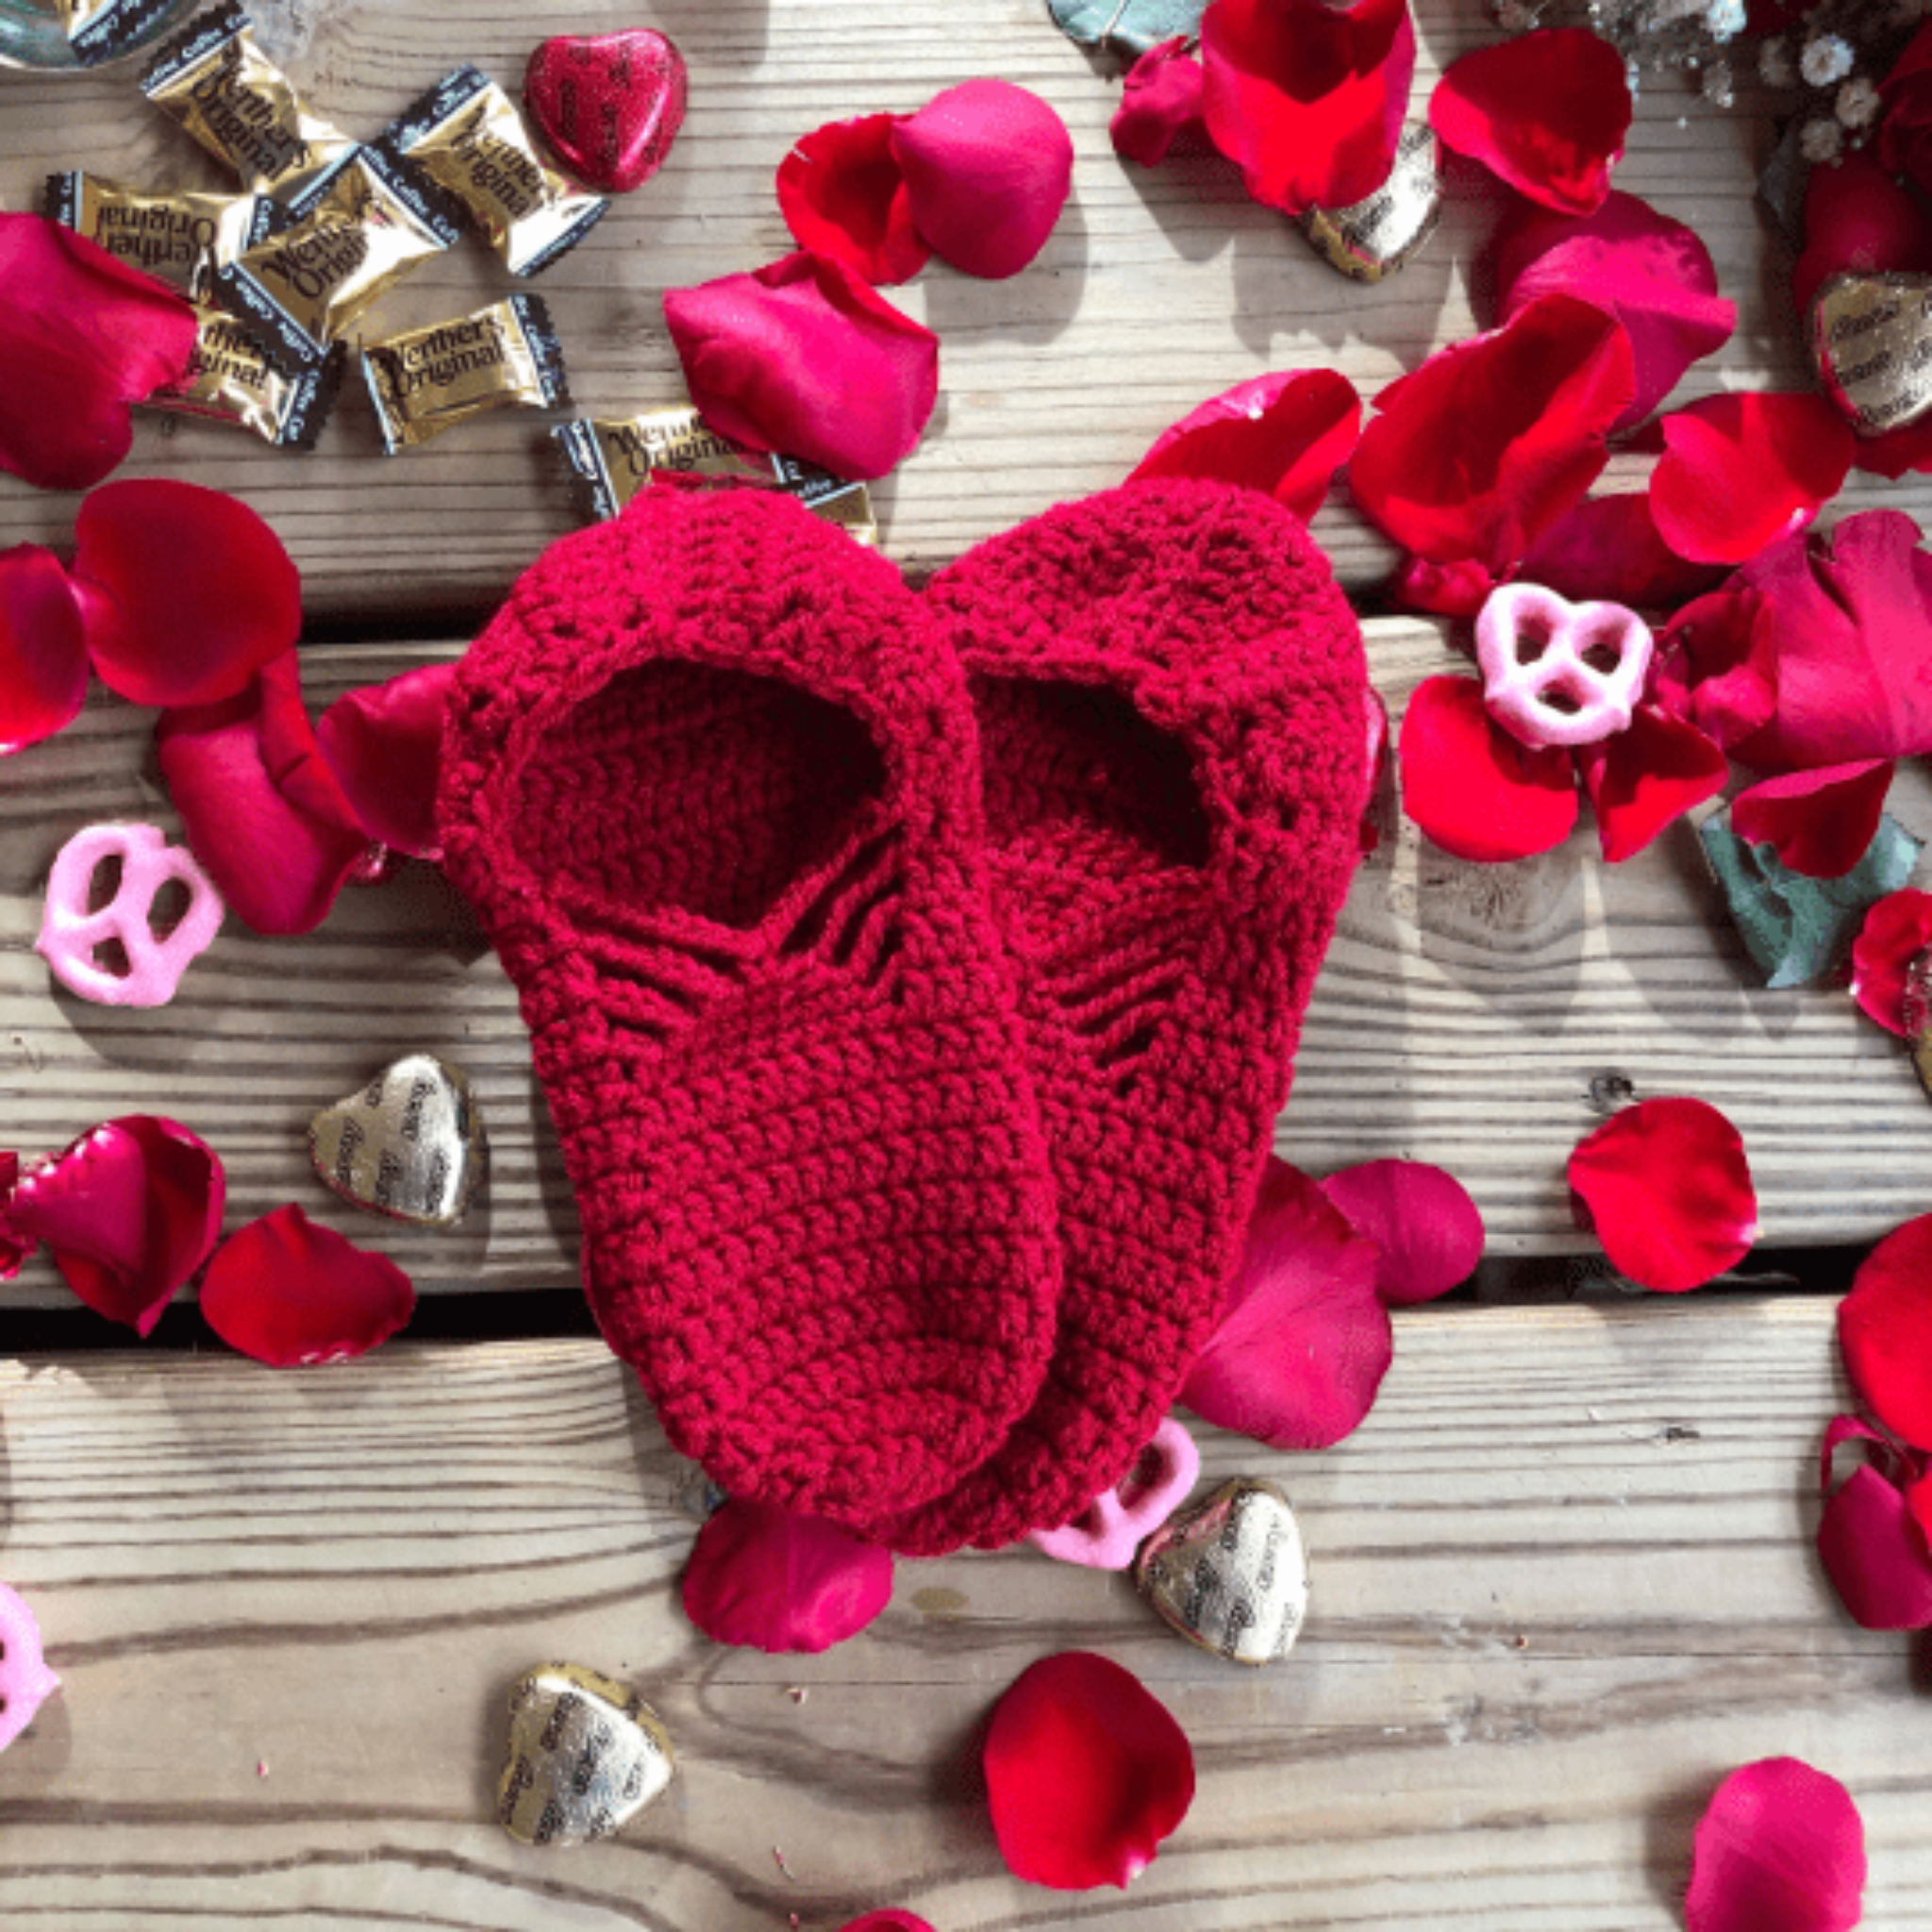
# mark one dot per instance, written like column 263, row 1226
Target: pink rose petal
column 1716, row 663
column 1885, row 1331
column 1780, row 1848
column 842, row 193
column 1820, row 822
column 1895, row 932
column 1871, row 1537
column 15, row 1246
column 1606, row 550
column 1428, row 1230
column 384, row 745
column 1644, row 779
column 772, row 1580
column 888, row 1922
column 1160, row 104
column 43, row 648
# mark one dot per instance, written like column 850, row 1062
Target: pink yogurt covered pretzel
column 1111, row 1527
column 1559, row 673
column 26, row 1682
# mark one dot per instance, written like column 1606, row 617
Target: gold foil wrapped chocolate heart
column 410, row 1144
column 1873, row 338
column 586, row 1755
column 1373, row 238
column 1230, row 1573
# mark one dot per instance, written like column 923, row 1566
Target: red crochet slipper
column 710, row 782
column 1173, row 717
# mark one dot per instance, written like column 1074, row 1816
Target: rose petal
column 1284, row 434
column 1650, row 273
column 1606, row 551
column 1160, row 104
column 1445, row 590
column 1739, row 472
column 43, row 649
column 1428, row 1231
column 290, row 1292
column 1646, row 778
column 384, row 744
column 1471, row 787
column 1547, row 112
column 1667, row 1189
column 1869, row 1539
column 842, row 193
column 772, row 1580
column 129, row 1212
column 802, row 356
column 1858, row 221
column 1884, row 1330
column 1780, row 1848
column 1308, row 96
column 1819, row 822
column 81, row 337
column 186, row 592
column 1085, row 1772
column 1717, row 664
column 988, row 167
column 1895, row 932
column 15, row 1245
column 888, row 1922
column 1905, row 95
column 1303, row 1340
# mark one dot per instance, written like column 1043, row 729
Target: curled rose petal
column 43, row 649
column 1819, row 823
column 1284, row 434
column 772, row 1580
column 1160, row 105
column 1885, row 1331
column 802, row 356
column 1895, row 932
column 384, row 745
column 1869, row 1539
column 186, row 592
column 1303, row 1340
column 842, row 193
column 81, row 337
column 1606, row 550
column 1717, row 664
column 1085, row 1772
column 1858, row 221
column 1667, row 1189
column 988, row 167
column 1780, row 1848
column 1739, row 472
column 129, row 1211
column 1428, row 1231
column 1647, row 778
column 1470, row 787
column 290, row 1292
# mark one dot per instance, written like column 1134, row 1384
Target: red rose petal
column 888, row 1922
column 1739, row 472
column 1284, row 434
column 1895, row 932
column 1885, row 1331
column 1428, row 1230
column 1819, row 823
column 1716, row 664
column 1918, row 1504
column 1606, row 550
column 81, row 337
column 43, row 648
column 1906, row 96
column 1085, row 1772
column 842, row 193
column 1303, row 1340
column 802, row 356
column 1471, row 787
column 772, row 1580
column 1780, row 1848
column 1161, row 102
column 290, row 1292
column 15, row 1246
column 1858, row 221
column 1446, row 590
column 1547, row 112
column 384, row 744
column 186, row 592
column 1667, row 1190
column 1646, row 778
column 1871, row 1537
column 129, row 1212
column 1308, row 96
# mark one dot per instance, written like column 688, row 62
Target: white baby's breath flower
column 1858, row 103
column 1774, row 67
column 1822, row 141
column 1724, row 20
column 1824, row 60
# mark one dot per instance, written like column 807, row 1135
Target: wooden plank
column 1562, row 1583
column 1158, row 289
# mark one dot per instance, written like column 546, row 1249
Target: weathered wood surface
column 1563, row 1583
column 1158, row 289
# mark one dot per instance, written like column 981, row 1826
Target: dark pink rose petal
column 1650, row 273
column 1303, row 1340
column 129, row 1212
column 14, row 1245
column 1646, row 778
column 772, row 1580
column 43, row 649
column 1547, row 112
column 81, row 337
column 1307, row 97
column 1085, row 1772
column 1871, row 1539
column 988, row 167
column 842, row 193
column 1422, row 1219
column 1284, row 434
column 1470, row 787
column 1885, row 1331
column 1780, row 1848
column 1667, row 1189
column 1445, row 590
column 384, row 745
column 801, row 356
column 1716, row 664
column 1740, row 471
column 889, row 1922
column 1858, row 221
column 290, row 1292
column 1895, row 932
column 186, row 592
column 260, row 807
column 1606, row 551
column 1820, row 822
column 1161, row 104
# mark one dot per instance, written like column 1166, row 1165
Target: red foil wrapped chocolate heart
column 609, row 105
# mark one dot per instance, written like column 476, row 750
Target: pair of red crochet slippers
column 914, row 980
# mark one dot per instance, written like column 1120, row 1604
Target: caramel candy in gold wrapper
column 1375, row 237
column 230, row 380
column 586, row 1755
column 410, row 1144
column 100, row 30
column 179, row 238
column 1873, row 338
column 1229, row 1572
column 430, row 379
